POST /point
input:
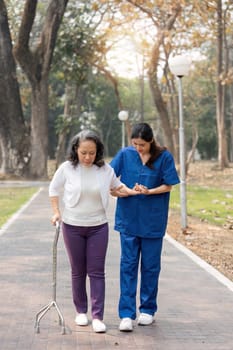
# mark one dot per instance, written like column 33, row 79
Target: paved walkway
column 195, row 309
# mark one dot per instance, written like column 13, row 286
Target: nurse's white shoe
column 145, row 319
column 126, row 325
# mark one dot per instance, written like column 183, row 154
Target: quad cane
column 47, row 307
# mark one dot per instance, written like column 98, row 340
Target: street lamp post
column 179, row 66
column 123, row 116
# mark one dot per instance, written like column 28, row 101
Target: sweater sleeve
column 115, row 182
column 57, row 182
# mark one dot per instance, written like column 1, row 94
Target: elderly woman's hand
column 123, row 191
column 56, row 217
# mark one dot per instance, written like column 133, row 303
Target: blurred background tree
column 75, row 64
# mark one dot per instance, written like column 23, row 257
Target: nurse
column 141, row 220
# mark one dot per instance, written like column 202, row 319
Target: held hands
column 124, row 191
column 141, row 189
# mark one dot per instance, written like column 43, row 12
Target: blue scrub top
column 143, row 215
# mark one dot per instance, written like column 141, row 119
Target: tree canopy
column 58, row 74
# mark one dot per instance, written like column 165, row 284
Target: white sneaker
column 81, row 320
column 145, row 319
column 126, row 325
column 98, row 326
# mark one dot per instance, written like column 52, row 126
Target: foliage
column 199, row 109
column 131, row 95
column 75, row 43
column 91, row 29
column 79, row 56
column 99, row 112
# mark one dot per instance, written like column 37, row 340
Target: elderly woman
column 86, row 181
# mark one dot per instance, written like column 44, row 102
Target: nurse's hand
column 141, row 189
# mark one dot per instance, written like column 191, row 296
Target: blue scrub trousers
column 132, row 250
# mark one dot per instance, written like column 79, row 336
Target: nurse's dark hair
column 144, row 131
column 86, row 135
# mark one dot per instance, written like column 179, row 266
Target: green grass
column 12, row 199
column 209, row 204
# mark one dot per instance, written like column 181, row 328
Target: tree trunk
column 71, row 98
column 231, row 122
column 14, row 140
column 161, row 108
column 191, row 153
column 220, row 98
column 36, row 62
column 39, row 130
column 153, row 78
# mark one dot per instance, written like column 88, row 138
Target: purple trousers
column 86, row 248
